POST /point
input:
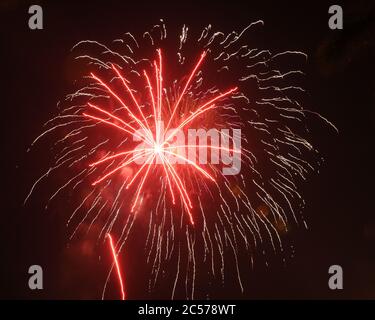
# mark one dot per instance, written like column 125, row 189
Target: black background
column 340, row 82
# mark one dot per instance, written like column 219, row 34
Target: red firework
column 150, row 131
column 135, row 95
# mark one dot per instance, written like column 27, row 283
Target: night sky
column 340, row 83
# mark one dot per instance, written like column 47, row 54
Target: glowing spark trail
column 118, row 269
column 199, row 147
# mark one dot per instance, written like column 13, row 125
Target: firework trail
column 118, row 269
column 143, row 90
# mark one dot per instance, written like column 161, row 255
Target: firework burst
column 117, row 141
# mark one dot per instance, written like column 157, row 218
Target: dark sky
column 340, row 81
